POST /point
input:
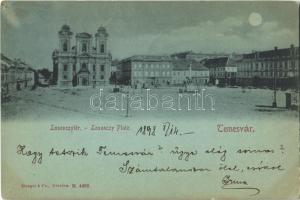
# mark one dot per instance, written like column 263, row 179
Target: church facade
column 87, row 63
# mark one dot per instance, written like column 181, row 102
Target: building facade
column 15, row 75
column 146, row 71
column 222, row 70
column 189, row 72
column 262, row 67
column 86, row 63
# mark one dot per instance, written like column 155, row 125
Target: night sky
column 29, row 29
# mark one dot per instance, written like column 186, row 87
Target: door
column 84, row 81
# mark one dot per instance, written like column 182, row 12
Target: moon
column 255, row 19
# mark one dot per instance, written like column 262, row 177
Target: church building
column 87, row 63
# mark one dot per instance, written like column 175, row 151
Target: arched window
column 83, row 66
column 65, row 46
column 84, row 47
column 102, row 48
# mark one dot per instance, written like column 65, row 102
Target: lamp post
column 127, row 103
column 274, row 104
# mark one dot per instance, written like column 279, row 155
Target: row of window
column 268, row 70
column 148, row 65
column 227, row 74
column 94, row 77
column 146, row 73
column 83, row 47
column 264, row 74
column 194, row 81
column 83, row 66
column 281, row 64
column 194, row 73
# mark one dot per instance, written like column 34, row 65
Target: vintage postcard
column 150, row 100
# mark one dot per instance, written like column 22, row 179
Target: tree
column 45, row 72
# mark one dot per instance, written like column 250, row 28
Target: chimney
column 275, row 48
column 292, row 46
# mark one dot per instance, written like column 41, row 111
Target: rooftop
column 148, row 58
column 182, row 65
column 271, row 53
column 83, row 35
column 216, row 62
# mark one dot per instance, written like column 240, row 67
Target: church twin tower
column 85, row 63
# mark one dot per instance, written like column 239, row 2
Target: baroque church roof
column 65, row 29
column 101, row 30
column 83, row 35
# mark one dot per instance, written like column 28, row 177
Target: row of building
column 259, row 68
column 147, row 71
column 89, row 62
column 15, row 75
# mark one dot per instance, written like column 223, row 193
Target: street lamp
column 274, row 104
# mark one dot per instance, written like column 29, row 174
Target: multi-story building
column 146, row 70
column 261, row 68
column 222, row 70
column 84, row 63
column 189, row 71
column 15, row 75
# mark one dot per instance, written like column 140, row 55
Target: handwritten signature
column 229, row 183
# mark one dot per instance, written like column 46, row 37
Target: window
column 286, row 64
column 74, row 67
column 102, row 77
column 83, row 47
column 94, row 76
column 65, row 67
column 94, row 68
column 83, row 66
column 65, row 46
column 102, row 68
column 65, row 77
column 102, row 48
column 293, row 65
